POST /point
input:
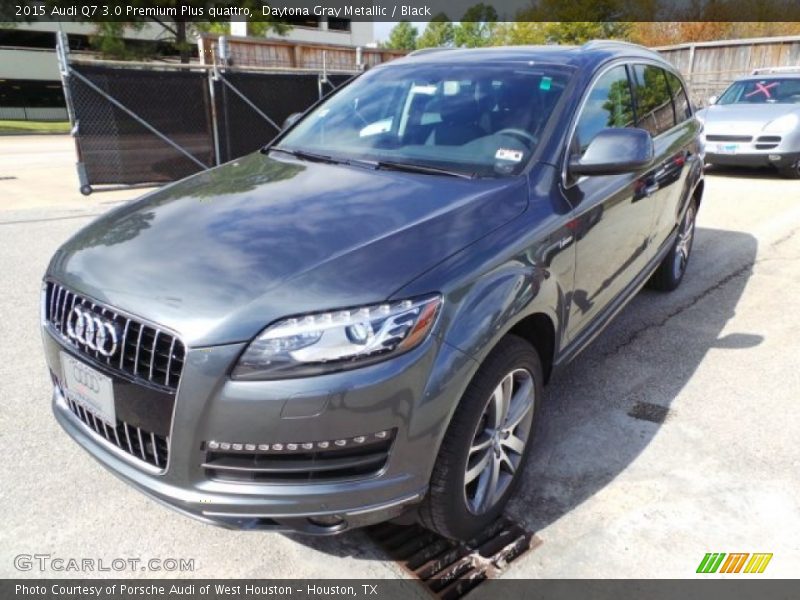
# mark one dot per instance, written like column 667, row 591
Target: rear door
column 662, row 108
column 612, row 215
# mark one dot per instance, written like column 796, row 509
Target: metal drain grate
column 452, row 569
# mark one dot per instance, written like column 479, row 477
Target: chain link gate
column 139, row 125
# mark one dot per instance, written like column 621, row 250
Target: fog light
column 774, row 157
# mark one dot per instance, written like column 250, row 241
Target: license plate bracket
column 89, row 388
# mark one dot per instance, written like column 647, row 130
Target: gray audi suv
column 356, row 323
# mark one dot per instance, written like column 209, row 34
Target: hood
column 745, row 118
column 218, row 256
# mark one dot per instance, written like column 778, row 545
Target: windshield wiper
column 311, row 156
column 378, row 164
column 413, row 168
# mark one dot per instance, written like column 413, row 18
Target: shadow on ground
column 594, row 421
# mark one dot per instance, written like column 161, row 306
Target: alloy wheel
column 499, row 441
column 683, row 245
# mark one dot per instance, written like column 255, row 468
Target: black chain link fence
column 241, row 129
column 117, row 110
column 117, row 148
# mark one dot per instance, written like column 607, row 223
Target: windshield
column 775, row 90
column 480, row 120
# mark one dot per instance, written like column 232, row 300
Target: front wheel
column 487, row 443
column 791, row 171
column 669, row 273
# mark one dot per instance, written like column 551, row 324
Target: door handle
column 651, row 189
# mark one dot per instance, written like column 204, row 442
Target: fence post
column 62, row 56
column 213, row 76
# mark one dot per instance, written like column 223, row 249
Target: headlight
column 343, row 339
column 783, row 124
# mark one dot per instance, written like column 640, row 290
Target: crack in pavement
column 699, row 297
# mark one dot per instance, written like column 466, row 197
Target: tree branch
column 164, row 25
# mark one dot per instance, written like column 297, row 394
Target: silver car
column 756, row 122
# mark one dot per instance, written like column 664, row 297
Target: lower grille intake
column 319, row 466
column 143, row 445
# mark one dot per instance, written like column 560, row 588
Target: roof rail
column 601, row 43
column 428, row 51
column 765, row 70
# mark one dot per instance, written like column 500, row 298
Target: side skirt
column 615, row 306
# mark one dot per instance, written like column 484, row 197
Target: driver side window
column 609, row 104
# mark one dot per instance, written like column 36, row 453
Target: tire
column 791, row 171
column 454, row 507
column 669, row 274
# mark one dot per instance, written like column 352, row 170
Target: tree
column 109, row 35
column 668, row 33
column 477, row 26
column 439, row 33
column 403, row 36
column 520, row 33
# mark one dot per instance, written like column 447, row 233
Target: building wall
column 360, row 34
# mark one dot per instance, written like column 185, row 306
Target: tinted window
column 653, row 100
column 679, row 97
column 479, row 119
column 609, row 105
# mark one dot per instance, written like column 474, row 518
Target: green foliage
column 403, row 36
column 619, row 105
column 439, row 33
column 477, row 27
column 108, row 40
column 109, row 36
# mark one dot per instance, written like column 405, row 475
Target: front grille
column 297, row 467
column 729, row 138
column 145, row 445
column 768, row 142
column 151, row 356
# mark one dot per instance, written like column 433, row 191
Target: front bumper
column 757, row 150
column 760, row 159
column 394, row 395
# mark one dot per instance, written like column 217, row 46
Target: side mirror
column 713, row 100
column 291, row 120
column 614, row 151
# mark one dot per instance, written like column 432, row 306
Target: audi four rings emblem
column 92, row 330
column 85, row 377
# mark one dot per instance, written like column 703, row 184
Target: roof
column 588, row 55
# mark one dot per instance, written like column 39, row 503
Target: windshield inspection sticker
column 506, row 154
column 544, row 84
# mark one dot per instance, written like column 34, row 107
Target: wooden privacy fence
column 709, row 67
column 285, row 54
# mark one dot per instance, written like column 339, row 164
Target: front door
column 613, row 214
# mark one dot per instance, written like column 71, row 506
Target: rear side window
column 653, row 99
column 679, row 97
column 609, row 104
